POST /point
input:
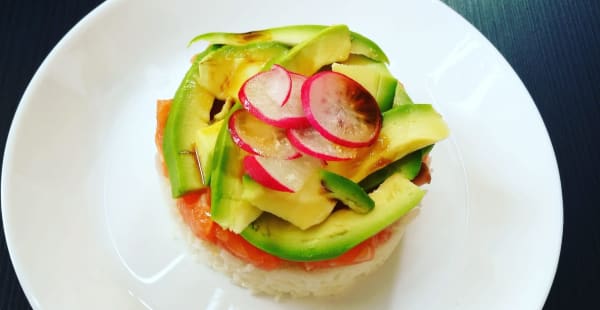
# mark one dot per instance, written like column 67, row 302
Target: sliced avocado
column 305, row 208
column 292, row 35
column 289, row 35
column 342, row 230
column 401, row 96
column 223, row 72
column 373, row 76
column 228, row 208
column 346, row 191
column 426, row 150
column 189, row 112
column 362, row 45
column 205, row 145
column 409, row 166
column 405, row 129
column 227, row 105
column 327, row 46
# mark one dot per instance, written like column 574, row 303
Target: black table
column 554, row 46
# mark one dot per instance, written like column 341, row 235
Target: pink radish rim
column 292, row 76
column 239, row 141
column 286, row 122
column 236, row 138
column 324, row 131
column 257, row 172
column 304, row 149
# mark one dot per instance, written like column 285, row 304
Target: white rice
column 292, row 281
column 289, row 281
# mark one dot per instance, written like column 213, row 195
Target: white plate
column 86, row 220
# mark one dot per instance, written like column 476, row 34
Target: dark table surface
column 553, row 45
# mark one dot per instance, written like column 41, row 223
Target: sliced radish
column 341, row 109
column 262, row 95
column 295, row 97
column 257, row 137
column 287, row 175
column 310, row 141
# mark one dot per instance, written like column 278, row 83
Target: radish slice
column 281, row 174
column 257, row 137
column 342, row 110
column 262, row 95
column 310, row 141
column 270, row 86
column 295, row 98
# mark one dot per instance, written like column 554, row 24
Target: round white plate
column 88, row 225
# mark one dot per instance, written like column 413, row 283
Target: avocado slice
column 325, row 47
column 373, row 76
column 228, row 208
column 348, row 192
column 401, row 96
column 405, row 129
column 409, row 166
column 305, row 208
column 343, row 230
column 205, row 145
column 218, row 72
column 223, row 72
column 426, row 150
column 292, row 35
column 189, row 112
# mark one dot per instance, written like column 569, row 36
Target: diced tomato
column 195, row 209
column 163, row 107
column 382, row 236
column 363, row 252
column 426, row 159
column 242, row 249
column 424, row 176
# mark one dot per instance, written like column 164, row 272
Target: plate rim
column 104, row 8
